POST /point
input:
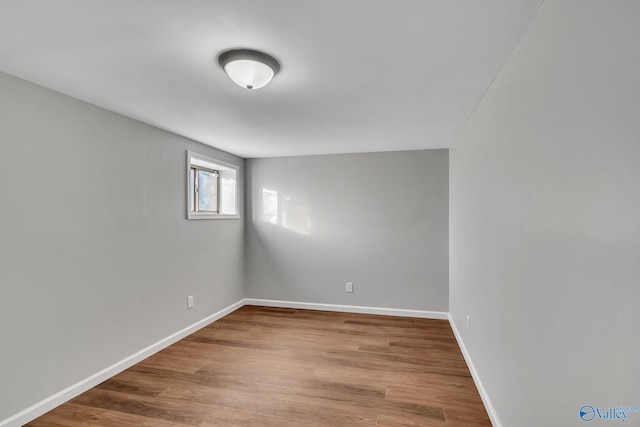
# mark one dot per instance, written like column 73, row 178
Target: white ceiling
column 357, row 75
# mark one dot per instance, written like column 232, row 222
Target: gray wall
column 96, row 256
column 378, row 220
column 545, row 219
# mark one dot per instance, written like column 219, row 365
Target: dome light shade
column 248, row 68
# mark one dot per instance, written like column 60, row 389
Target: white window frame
column 226, row 171
column 194, row 192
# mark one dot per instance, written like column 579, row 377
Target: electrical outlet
column 350, row 287
column 468, row 324
column 190, row 301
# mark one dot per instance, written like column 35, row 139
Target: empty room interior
column 327, row 213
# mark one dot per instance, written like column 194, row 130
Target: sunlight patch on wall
column 287, row 212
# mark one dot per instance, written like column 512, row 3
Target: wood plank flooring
column 283, row 367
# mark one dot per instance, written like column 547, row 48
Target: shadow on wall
column 287, row 212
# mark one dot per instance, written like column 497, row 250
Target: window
column 212, row 188
column 204, row 187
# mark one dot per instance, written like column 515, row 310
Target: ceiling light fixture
column 248, row 68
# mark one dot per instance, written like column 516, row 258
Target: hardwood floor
column 283, row 367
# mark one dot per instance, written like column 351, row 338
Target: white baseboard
column 493, row 416
column 348, row 308
column 74, row 390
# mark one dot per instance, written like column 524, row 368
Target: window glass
column 207, row 191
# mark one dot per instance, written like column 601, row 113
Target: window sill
column 211, row 216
